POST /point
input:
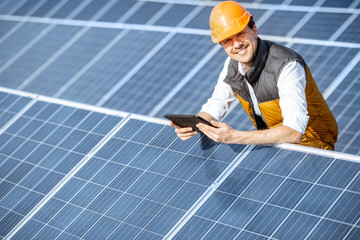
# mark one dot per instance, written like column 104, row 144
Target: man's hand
column 183, row 133
column 222, row 133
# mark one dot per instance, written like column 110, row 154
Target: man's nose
column 237, row 44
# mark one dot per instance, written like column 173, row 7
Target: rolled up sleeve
column 291, row 85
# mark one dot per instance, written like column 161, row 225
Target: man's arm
column 225, row 134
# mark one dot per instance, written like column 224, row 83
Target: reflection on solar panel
column 79, row 172
column 75, row 171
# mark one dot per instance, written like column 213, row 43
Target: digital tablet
column 187, row 120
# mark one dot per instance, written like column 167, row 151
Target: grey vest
column 262, row 75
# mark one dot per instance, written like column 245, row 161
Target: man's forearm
column 277, row 135
column 225, row 134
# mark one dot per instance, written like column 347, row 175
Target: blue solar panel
column 69, row 171
column 10, row 105
column 39, row 149
column 174, row 15
column 111, row 68
column 117, row 10
column 17, row 40
column 154, row 80
column 144, row 182
column 351, row 34
column 26, row 7
column 145, row 12
column 5, row 27
column 73, row 59
column 67, row 8
column 134, row 68
column 130, row 176
column 334, row 3
column 292, row 191
column 281, row 23
column 44, row 9
column 322, row 25
column 35, row 57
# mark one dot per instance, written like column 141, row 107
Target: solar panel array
column 154, row 57
column 84, row 153
column 71, row 171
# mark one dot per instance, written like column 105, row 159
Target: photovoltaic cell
column 73, row 59
column 133, row 182
column 28, row 63
column 146, row 11
column 10, row 105
column 144, row 180
column 67, row 8
column 141, row 181
column 322, row 25
column 281, row 23
column 351, row 34
column 111, row 68
column 35, row 157
column 174, row 15
column 290, row 190
column 19, row 39
column 147, row 87
column 117, row 10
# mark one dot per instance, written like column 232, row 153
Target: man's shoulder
column 284, row 53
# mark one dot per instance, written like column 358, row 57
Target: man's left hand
column 220, row 133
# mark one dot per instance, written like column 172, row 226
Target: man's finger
column 184, row 130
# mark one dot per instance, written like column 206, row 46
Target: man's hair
column 251, row 23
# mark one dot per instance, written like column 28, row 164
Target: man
column 273, row 84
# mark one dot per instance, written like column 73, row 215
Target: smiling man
column 273, row 84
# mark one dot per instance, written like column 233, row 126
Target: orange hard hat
column 226, row 19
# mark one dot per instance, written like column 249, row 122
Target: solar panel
column 281, row 194
column 74, row 171
column 42, row 144
column 146, row 57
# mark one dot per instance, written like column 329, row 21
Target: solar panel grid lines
column 284, row 5
column 98, row 206
column 7, row 105
column 54, row 57
column 205, row 196
column 238, row 213
column 134, row 135
column 146, row 59
column 18, row 25
column 10, row 8
column 68, row 177
column 92, row 62
column 342, row 75
column 266, row 200
column 97, row 124
column 313, row 229
column 184, row 81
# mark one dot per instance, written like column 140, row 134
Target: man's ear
column 255, row 30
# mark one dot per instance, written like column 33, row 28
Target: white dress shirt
column 291, row 85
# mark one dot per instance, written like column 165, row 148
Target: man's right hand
column 183, row 133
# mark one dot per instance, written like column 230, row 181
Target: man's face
column 242, row 46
